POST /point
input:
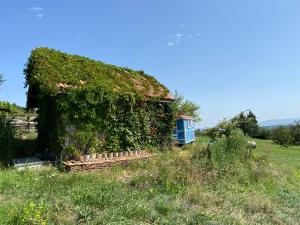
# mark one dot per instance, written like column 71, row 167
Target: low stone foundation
column 74, row 166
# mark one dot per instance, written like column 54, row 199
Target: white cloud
column 77, row 36
column 39, row 16
column 199, row 34
column 35, row 9
column 175, row 39
column 178, row 38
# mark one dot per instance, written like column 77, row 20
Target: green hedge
column 7, row 142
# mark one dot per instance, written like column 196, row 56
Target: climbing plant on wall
column 87, row 105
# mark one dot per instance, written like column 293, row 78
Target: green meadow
column 172, row 187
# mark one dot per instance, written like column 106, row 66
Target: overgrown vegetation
column 228, row 151
column 49, row 71
column 263, row 133
column 7, row 141
column 7, row 133
column 87, row 105
column 173, row 187
column 185, row 107
column 286, row 136
column 12, row 144
column 11, row 109
column 247, row 122
column 227, row 144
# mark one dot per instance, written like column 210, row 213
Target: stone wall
column 23, row 124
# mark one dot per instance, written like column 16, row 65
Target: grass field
column 171, row 188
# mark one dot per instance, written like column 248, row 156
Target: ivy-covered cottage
column 85, row 105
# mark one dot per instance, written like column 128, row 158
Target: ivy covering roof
column 51, row 72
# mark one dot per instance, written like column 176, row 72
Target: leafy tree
column 186, row 107
column 263, row 133
column 289, row 135
column 295, row 131
column 247, row 122
column 223, row 128
column 282, row 136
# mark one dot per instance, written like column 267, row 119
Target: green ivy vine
column 107, row 113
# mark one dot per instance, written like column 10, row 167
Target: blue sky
column 227, row 56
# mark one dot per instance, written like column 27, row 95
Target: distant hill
column 278, row 122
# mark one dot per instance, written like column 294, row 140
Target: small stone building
column 85, row 105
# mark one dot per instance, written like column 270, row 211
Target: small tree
column 186, row 107
column 263, row 133
column 295, row 131
column 282, row 136
column 247, row 122
column 227, row 145
column 226, row 127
